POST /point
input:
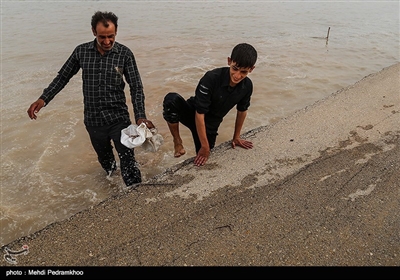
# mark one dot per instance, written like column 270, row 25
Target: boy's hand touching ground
column 242, row 143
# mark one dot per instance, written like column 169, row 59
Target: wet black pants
column 101, row 137
column 176, row 109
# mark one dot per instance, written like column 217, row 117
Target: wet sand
column 319, row 188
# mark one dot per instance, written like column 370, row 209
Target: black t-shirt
column 215, row 98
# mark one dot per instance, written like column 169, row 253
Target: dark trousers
column 176, row 109
column 101, row 137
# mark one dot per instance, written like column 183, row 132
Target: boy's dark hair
column 244, row 55
column 104, row 17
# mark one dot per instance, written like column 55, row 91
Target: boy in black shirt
column 217, row 92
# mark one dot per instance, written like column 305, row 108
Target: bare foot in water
column 179, row 150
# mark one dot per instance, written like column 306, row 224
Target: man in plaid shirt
column 104, row 63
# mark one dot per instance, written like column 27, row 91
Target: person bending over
column 217, row 92
column 104, row 63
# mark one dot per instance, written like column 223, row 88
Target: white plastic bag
column 134, row 136
column 153, row 143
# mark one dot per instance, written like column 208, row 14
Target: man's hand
column 202, row 156
column 148, row 123
column 35, row 108
column 242, row 143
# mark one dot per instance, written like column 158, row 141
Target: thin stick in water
column 327, row 35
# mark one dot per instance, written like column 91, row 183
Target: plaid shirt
column 103, row 84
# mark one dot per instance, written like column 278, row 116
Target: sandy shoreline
column 319, row 188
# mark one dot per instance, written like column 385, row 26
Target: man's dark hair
column 104, row 17
column 244, row 55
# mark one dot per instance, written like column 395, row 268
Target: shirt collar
column 226, row 80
